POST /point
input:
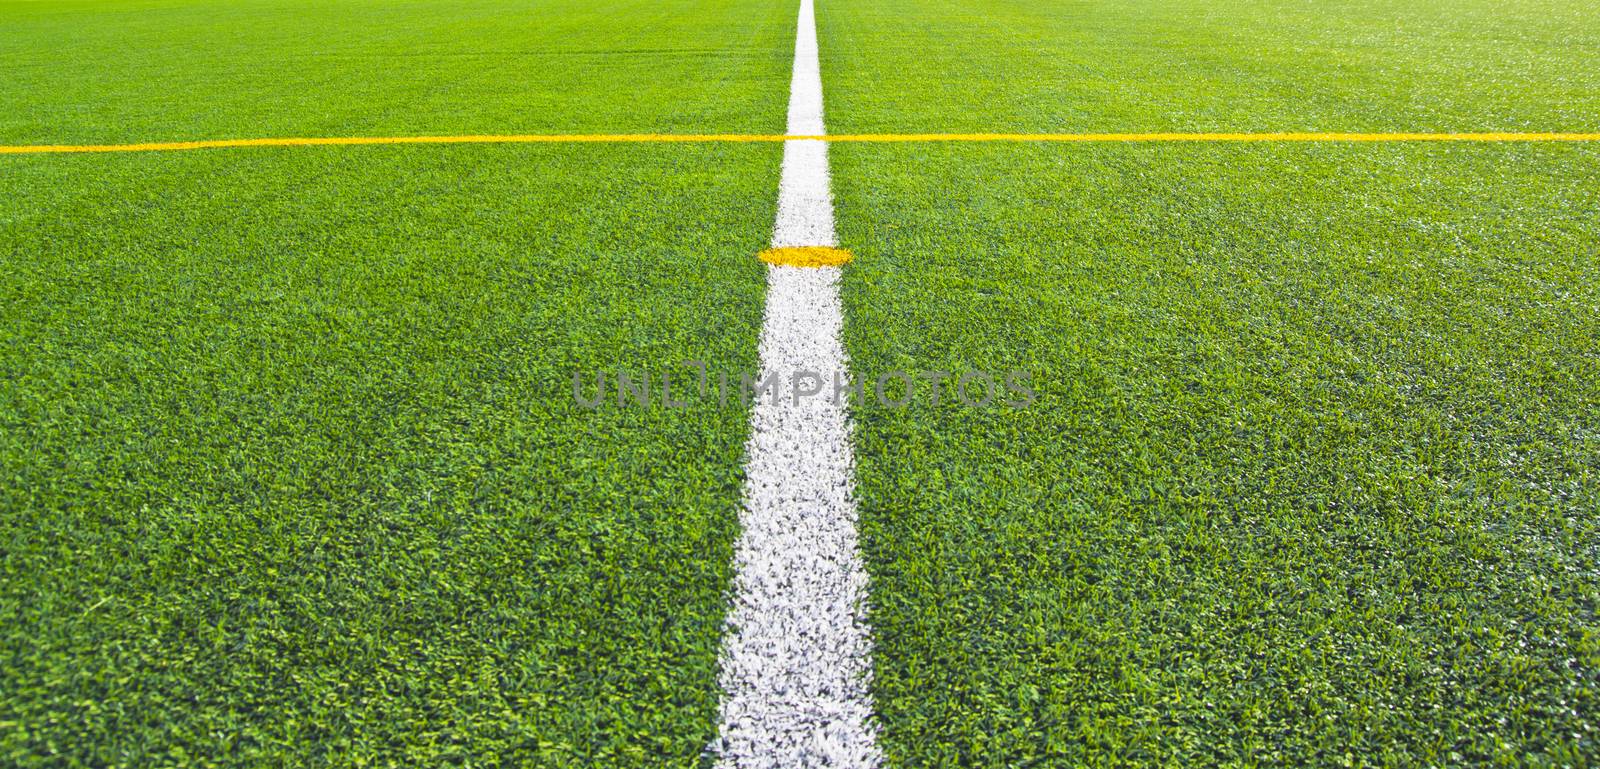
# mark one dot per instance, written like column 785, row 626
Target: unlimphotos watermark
column 692, row 383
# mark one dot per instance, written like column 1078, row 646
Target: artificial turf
column 1298, row 486
column 104, row 71
column 1201, row 65
column 1311, row 476
column 292, row 473
column 291, row 466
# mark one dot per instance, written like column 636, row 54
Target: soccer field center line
column 879, row 138
column 795, row 666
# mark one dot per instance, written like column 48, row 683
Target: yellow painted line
column 1223, row 137
column 806, row 256
column 358, row 140
column 41, row 149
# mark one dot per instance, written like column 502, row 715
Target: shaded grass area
column 293, row 472
column 170, row 70
column 1200, row 65
column 1311, row 478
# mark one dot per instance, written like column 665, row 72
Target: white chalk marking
column 796, row 662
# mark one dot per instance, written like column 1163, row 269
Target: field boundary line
column 795, row 667
column 1220, row 137
column 884, row 138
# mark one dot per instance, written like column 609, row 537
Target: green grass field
column 1314, row 473
column 292, row 474
column 291, row 467
column 1313, row 466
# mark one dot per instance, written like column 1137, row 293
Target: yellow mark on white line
column 324, row 141
column 806, row 256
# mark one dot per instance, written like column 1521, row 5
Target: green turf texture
column 292, row 475
column 1209, row 65
column 1312, row 476
column 158, row 70
column 290, row 465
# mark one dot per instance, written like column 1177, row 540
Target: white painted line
column 796, row 662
